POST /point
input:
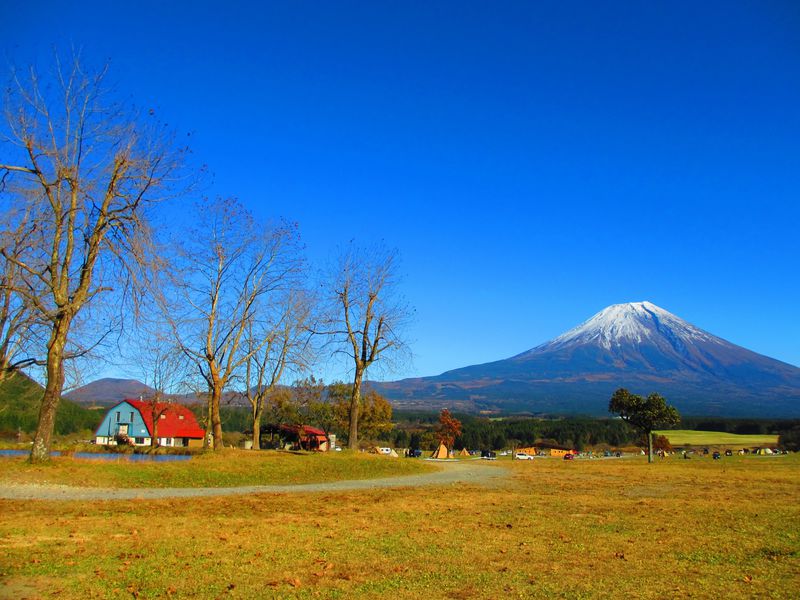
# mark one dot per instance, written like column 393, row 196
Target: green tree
column 645, row 414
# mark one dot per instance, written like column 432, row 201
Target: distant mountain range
column 636, row 345
column 108, row 391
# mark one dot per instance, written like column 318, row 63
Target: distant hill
column 637, row 345
column 20, row 397
column 108, row 391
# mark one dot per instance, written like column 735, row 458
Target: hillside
column 19, row 409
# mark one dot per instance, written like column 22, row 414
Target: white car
column 523, row 456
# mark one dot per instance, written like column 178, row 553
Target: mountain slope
column 20, row 397
column 636, row 345
column 108, row 391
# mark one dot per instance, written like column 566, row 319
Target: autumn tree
column 448, row 429
column 226, row 271
column 375, row 411
column 367, row 317
column 644, row 414
column 85, row 170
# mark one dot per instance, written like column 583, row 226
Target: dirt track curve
column 474, row 472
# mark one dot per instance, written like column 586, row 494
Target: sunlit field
column 606, row 528
column 685, row 437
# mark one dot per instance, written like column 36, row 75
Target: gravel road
column 474, row 472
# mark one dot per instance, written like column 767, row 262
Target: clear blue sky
column 533, row 162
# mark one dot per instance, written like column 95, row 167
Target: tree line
column 107, row 245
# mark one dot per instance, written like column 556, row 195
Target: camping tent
column 464, row 452
column 440, row 452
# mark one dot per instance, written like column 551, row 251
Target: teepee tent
column 440, row 452
column 464, row 452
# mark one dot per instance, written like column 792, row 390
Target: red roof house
column 133, row 420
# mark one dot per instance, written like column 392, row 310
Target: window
column 163, row 416
column 140, row 440
column 131, row 417
column 118, row 415
column 180, row 417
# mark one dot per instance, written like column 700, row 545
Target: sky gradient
column 533, row 162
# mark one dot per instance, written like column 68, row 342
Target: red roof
column 177, row 421
column 307, row 430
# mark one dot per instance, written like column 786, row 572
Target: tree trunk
column 207, row 438
column 649, row 446
column 257, row 428
column 216, row 420
column 42, row 439
column 154, row 439
column 355, row 405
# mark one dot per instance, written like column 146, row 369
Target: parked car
column 523, row 456
column 489, row 455
column 569, row 457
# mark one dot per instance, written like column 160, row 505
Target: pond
column 109, row 456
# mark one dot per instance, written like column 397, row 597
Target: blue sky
column 533, row 162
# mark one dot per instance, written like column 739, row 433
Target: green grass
column 556, row 529
column 685, row 437
column 214, row 469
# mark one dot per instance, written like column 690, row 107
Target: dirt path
column 449, row 473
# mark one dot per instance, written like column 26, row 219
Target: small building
column 307, row 437
column 131, row 421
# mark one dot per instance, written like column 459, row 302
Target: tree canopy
column 645, row 414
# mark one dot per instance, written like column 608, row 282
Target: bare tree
column 86, row 170
column 277, row 341
column 162, row 367
column 227, row 268
column 21, row 326
column 368, row 316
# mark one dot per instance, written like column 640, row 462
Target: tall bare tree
column 87, row 170
column 227, row 269
column 277, row 341
column 368, row 316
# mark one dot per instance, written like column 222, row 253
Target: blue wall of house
column 123, row 414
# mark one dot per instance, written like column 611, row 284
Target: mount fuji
column 637, row 345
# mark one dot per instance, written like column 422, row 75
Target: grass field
column 555, row 529
column 230, row 468
column 685, row 437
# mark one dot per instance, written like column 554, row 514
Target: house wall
column 120, row 417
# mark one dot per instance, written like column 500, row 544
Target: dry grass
column 581, row 529
column 214, row 469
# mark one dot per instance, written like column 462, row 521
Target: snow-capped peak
column 632, row 322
